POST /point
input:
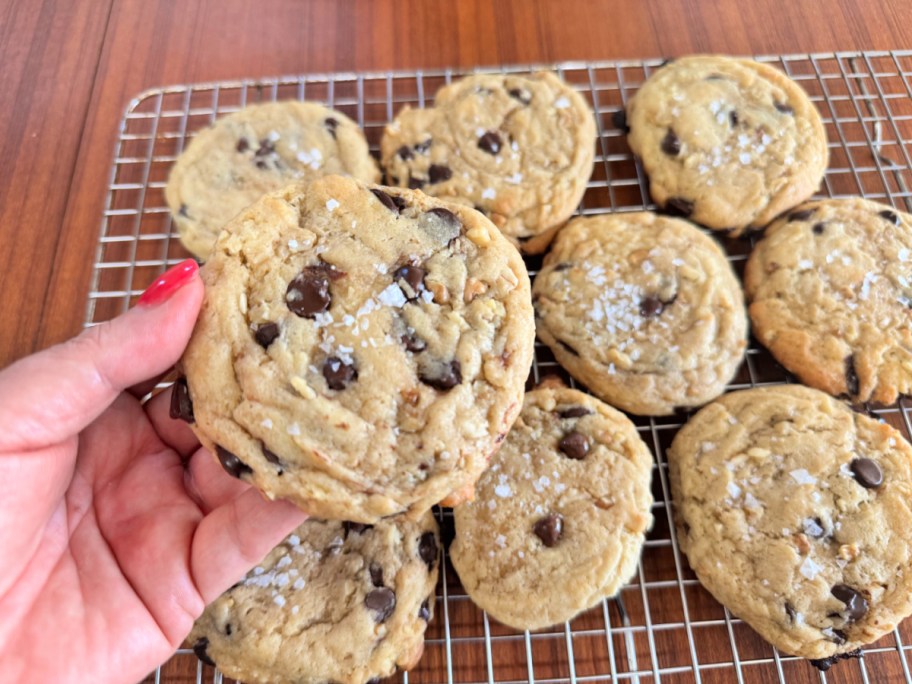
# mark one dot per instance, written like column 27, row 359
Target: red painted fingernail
column 168, row 283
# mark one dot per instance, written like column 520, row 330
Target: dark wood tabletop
column 69, row 68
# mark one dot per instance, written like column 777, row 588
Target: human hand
column 116, row 527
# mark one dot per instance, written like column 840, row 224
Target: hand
column 116, row 528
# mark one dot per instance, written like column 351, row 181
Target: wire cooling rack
column 666, row 628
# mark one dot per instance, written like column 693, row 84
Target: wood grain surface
column 68, row 68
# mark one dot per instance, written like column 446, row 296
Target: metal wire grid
column 666, row 628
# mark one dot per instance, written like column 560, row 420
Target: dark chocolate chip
column 790, row 611
column 549, row 529
column 415, row 183
column 242, row 145
column 651, row 306
column 308, row 294
column 413, row 343
column 388, row 201
column 355, row 527
column 671, row 144
column 266, row 147
column 338, row 373
column 574, row 445
column 619, row 120
column 271, row 457
column 260, row 164
column 200, row 649
column 733, row 118
column 424, row 612
column 568, row 348
column 438, row 173
column 382, row 602
column 678, row 206
column 181, row 405
column 414, row 278
column 266, row 333
column 442, row 224
column 851, row 376
column 520, row 94
column 490, row 142
column 824, row 664
column 228, row 629
column 784, row 108
column 183, row 211
column 890, row 216
column 856, row 605
column 231, row 463
column 376, row 573
column 575, row 412
column 404, row 153
column 423, row 146
column 838, row 636
column 331, row 125
column 427, row 549
column 819, row 228
column 801, row 215
column 867, row 473
column 813, row 527
column 451, row 375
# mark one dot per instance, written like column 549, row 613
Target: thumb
column 52, row 395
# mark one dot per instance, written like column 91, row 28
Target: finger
column 212, row 486
column 175, row 433
column 55, row 393
column 146, row 386
column 233, row 538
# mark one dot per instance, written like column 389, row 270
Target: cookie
column 830, row 291
column 729, row 143
column 644, row 310
column 334, row 602
column 793, row 511
column 518, row 148
column 360, row 350
column 256, row 150
column 559, row 518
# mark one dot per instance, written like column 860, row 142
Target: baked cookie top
column 730, row 143
column 830, row 287
column 519, row 148
column 360, row 350
column 256, row 150
column 793, row 510
column 645, row 310
column 560, row 515
column 335, row 601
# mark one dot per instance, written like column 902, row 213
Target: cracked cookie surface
column 729, row 143
column 830, row 286
column 519, row 148
column 258, row 149
column 559, row 518
column 360, row 350
column 793, row 510
column 335, row 601
column 645, row 310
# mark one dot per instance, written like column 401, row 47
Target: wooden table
column 69, row 68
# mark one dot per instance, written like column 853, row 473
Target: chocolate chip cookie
column 830, row 287
column 335, row 601
column 645, row 310
column 560, row 516
column 518, row 148
column 730, row 143
column 361, row 350
column 253, row 151
column 793, row 510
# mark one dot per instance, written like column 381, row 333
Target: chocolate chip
column 574, row 445
column 790, row 611
column 851, row 375
column 441, row 224
column 181, row 405
column 813, row 527
column 520, row 94
column 382, row 602
column 824, row 664
column 424, row 612
column 819, row 228
column 228, row 629
column 413, row 343
column 338, row 373
column 376, row 573
column 490, row 142
column 890, row 216
column 331, row 125
column 619, row 120
column 450, row 376
column 308, row 294
column 549, row 529
column 271, row 457
column 423, row 146
column 413, row 277
column 200, row 649
column 438, row 173
column 242, row 145
column 260, row 164
column 266, row 147
column 404, row 153
column 651, row 306
column 231, row 463
column 801, row 215
column 427, row 549
column 387, row 201
column 856, row 605
column 183, row 211
column 266, row 333
column 575, row 412
column 867, row 473
column 355, row 527
column 415, row 183
column 671, row 145
column 784, row 108
column 733, row 118
column 678, row 206
column 837, row 636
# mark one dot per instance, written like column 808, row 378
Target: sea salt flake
column 266, row 423
column 802, row 476
column 294, row 540
column 805, row 264
column 294, row 430
column 503, row 490
column 733, row 490
column 279, row 601
column 744, row 158
column 488, row 193
column 809, row 568
column 332, row 205
column 298, row 584
column 501, row 541
column 284, row 561
column 561, row 103
column 392, row 296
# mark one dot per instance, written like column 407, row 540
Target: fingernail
column 168, row 283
